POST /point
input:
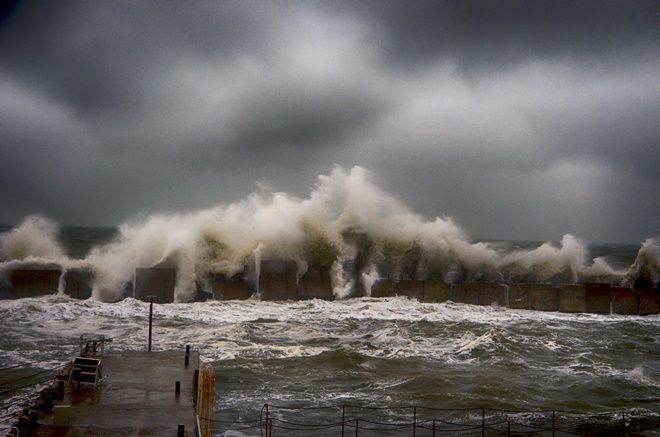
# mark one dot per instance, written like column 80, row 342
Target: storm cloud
column 520, row 120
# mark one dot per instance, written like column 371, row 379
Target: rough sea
column 363, row 352
column 376, row 364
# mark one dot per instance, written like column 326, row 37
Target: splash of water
column 347, row 225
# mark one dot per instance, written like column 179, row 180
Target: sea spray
column 347, row 225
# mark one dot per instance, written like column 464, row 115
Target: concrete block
column 493, row 294
column 78, row 284
column 383, row 288
column 316, row 284
column 436, row 291
column 62, row 415
column 466, row 292
column 598, row 298
column 234, row 288
column 30, row 283
column 624, row 300
column 157, row 282
column 277, row 280
column 519, row 296
column 572, row 298
column 411, row 288
column 543, row 297
column 649, row 302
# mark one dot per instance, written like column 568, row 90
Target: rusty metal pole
column 151, row 313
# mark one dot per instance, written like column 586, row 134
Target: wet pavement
column 137, row 397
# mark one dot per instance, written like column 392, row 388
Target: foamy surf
column 347, row 224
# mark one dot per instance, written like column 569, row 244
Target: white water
column 347, row 224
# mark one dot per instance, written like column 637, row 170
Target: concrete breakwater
column 279, row 280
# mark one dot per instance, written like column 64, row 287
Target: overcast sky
column 519, row 119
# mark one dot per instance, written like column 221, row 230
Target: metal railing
column 360, row 420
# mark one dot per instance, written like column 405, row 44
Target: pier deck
column 136, row 398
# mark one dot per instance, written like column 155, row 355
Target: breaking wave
column 347, row 225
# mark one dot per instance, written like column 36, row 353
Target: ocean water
column 367, row 352
column 380, row 357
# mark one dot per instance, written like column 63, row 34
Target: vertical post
column 266, row 405
column 180, row 431
column 195, row 385
column 151, row 313
column 508, row 427
column 433, row 434
column 343, row 419
column 483, row 422
column 623, row 423
column 414, row 421
column 553, row 423
column 357, row 426
column 270, row 428
column 177, row 388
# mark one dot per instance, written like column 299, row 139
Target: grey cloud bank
column 520, row 120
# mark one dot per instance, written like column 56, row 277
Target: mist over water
column 347, row 224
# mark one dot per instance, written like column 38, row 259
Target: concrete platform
column 136, row 398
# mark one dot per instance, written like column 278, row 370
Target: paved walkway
column 136, row 398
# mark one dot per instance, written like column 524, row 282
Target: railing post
column 508, row 427
column 553, row 423
column 266, row 405
column 433, row 433
column 414, row 421
column 343, row 419
column 623, row 423
column 483, row 422
column 151, row 313
column 357, row 426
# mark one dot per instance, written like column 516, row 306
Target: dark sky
column 519, row 119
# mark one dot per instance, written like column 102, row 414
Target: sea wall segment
column 598, row 298
column 277, row 280
column 78, row 283
column 572, row 298
column 436, row 291
column 411, row 288
column 230, row 288
column 31, row 283
column 155, row 281
column 383, row 288
column 624, row 301
column 519, row 296
column 316, row 283
column 649, row 303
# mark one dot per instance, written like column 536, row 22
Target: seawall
column 279, row 281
